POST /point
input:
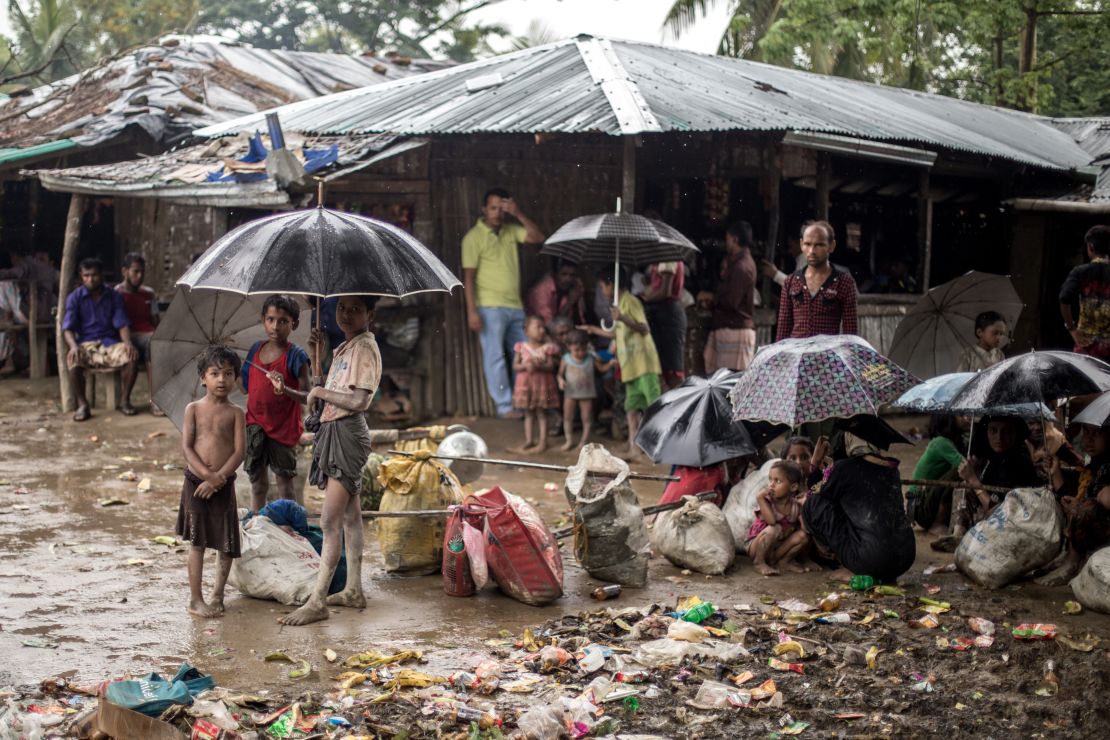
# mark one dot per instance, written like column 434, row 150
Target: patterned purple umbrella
column 825, row 377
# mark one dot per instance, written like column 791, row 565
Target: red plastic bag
column 521, row 551
column 457, row 580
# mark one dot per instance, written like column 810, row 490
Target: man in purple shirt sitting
column 97, row 331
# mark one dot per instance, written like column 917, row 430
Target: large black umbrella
column 1032, row 378
column 322, row 253
column 1097, row 412
column 692, row 425
column 624, row 238
column 872, row 429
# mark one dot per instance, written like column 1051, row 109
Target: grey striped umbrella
column 624, row 238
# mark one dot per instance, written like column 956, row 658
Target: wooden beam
column 628, row 176
column 69, row 257
column 924, row 228
column 824, row 177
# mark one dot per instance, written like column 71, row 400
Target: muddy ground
column 88, row 579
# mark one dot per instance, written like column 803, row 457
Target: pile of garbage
column 882, row 660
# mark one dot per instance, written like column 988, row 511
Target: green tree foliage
column 414, row 27
column 1043, row 55
column 55, row 38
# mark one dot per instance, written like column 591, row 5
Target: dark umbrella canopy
column 320, row 252
column 1032, row 378
column 692, row 425
column 622, row 237
column 1097, row 413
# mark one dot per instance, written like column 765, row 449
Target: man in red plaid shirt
column 821, row 299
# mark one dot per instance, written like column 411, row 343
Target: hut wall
column 169, row 236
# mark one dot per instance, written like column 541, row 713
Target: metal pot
column 461, row 442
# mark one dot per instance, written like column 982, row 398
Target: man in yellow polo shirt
column 491, row 281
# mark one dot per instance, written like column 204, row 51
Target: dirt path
column 88, row 578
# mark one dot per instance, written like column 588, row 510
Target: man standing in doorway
column 820, row 299
column 491, row 282
column 731, row 341
column 1089, row 286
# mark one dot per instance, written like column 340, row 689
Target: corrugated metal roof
column 169, row 90
column 589, row 84
column 1092, row 134
column 19, row 153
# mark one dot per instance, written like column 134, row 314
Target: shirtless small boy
column 214, row 442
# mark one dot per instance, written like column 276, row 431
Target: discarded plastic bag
column 275, row 564
column 680, row 630
column 741, row 504
column 542, row 722
column 521, row 552
column 1022, row 533
column 665, row 651
column 1091, row 585
column 152, row 694
column 696, row 536
column 457, row 578
column 610, row 538
column 414, row 545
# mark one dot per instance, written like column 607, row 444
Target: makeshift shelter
column 912, row 182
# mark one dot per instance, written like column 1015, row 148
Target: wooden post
column 628, row 176
column 824, row 175
column 924, row 227
column 69, row 257
column 774, row 215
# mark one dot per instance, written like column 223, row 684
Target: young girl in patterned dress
column 535, row 361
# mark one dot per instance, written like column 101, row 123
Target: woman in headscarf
column 858, row 516
column 1001, row 457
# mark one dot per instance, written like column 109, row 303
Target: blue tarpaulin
column 314, row 159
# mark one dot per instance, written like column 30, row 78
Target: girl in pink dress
column 535, row 361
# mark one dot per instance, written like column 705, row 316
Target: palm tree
column 750, row 21
column 44, row 48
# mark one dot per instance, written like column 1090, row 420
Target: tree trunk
column 1027, row 59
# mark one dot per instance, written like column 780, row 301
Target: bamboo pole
column 954, row 484
column 540, row 466
column 77, row 203
column 647, row 511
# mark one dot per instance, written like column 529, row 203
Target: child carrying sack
column 610, row 538
column 414, row 546
column 741, row 504
column 153, row 694
column 275, row 564
column 1022, row 533
column 521, row 552
column 1091, row 585
column 696, row 536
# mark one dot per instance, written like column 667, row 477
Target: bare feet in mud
column 568, row 445
column 307, row 614
column 525, row 449
column 1060, row 575
column 352, row 599
column 765, row 570
column 792, row 567
column 841, row 574
column 198, row 608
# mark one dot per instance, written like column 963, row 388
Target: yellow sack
column 430, row 441
column 414, row 545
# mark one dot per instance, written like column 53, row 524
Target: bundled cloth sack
column 610, row 537
column 291, row 516
column 695, row 536
column 741, row 505
column 152, row 694
column 1021, row 534
column 275, row 564
column 521, row 553
column 414, row 546
column 1091, row 585
column 372, row 489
